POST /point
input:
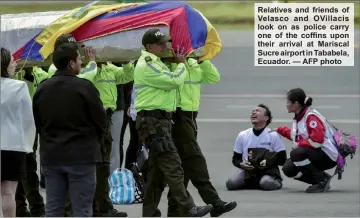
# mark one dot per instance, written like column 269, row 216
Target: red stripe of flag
column 174, row 18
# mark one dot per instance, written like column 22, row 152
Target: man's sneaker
column 200, row 211
column 222, row 208
column 323, row 186
column 113, row 213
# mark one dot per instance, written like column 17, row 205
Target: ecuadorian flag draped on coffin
column 189, row 29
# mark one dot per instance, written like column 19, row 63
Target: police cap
column 155, row 36
column 67, row 38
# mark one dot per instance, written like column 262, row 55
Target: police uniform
column 184, row 133
column 28, row 189
column 156, row 89
column 106, row 81
column 267, row 153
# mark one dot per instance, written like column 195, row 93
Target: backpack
column 122, row 187
column 345, row 143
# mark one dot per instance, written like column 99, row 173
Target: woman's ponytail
column 308, row 101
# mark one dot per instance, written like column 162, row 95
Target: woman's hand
column 273, row 130
column 295, row 145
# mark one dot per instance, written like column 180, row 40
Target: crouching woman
column 313, row 150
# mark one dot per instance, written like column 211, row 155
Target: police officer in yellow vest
column 28, row 189
column 105, row 81
column 156, row 88
column 184, row 132
column 105, row 77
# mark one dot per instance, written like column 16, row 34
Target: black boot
column 322, row 186
column 222, row 207
column 112, row 213
column 200, row 211
column 24, row 213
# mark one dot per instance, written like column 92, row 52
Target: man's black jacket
column 70, row 119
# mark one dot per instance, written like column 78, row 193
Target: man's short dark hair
column 65, row 53
column 267, row 113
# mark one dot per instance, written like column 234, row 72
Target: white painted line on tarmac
column 240, row 106
column 328, row 106
column 276, row 96
column 229, row 120
column 234, row 107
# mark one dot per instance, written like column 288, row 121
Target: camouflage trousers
column 164, row 163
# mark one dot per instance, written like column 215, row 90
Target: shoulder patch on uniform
column 313, row 124
column 148, row 59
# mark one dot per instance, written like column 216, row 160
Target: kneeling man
column 257, row 154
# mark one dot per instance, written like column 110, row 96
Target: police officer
column 105, row 81
column 28, row 189
column 184, row 132
column 156, row 89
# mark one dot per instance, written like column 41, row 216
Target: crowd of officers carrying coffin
column 165, row 123
column 75, row 110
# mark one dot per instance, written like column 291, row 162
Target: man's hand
column 180, row 55
column 246, row 166
column 90, row 53
column 128, row 112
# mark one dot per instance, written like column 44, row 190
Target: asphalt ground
column 225, row 111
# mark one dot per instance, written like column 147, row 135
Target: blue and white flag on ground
column 122, row 187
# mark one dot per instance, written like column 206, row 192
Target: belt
column 190, row 114
column 161, row 114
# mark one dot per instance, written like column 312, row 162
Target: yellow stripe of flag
column 68, row 23
column 213, row 44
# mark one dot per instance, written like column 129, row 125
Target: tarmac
column 225, row 111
